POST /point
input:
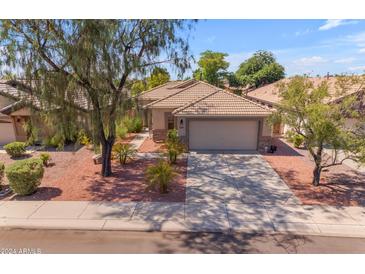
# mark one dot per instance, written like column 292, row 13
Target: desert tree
column 320, row 116
column 260, row 69
column 212, row 67
column 92, row 60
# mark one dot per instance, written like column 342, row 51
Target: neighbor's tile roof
column 222, row 104
column 270, row 93
column 184, row 96
column 10, row 90
column 165, row 90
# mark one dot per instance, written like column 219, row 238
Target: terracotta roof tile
column 187, row 95
column 8, row 90
column 270, row 93
column 222, row 103
column 164, row 90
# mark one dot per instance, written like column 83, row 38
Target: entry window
column 170, row 121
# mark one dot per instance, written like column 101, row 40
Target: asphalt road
column 69, row 241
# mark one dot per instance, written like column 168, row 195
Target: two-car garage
column 223, row 121
column 224, row 134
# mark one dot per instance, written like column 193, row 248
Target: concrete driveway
column 225, row 192
column 235, row 178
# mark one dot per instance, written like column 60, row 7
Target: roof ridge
column 208, row 84
column 152, row 89
column 169, row 96
column 246, row 99
column 183, row 82
column 194, row 102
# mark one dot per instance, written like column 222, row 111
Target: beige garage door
column 6, row 133
column 223, row 135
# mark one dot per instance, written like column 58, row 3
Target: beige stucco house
column 17, row 106
column 13, row 114
column 206, row 117
column 268, row 95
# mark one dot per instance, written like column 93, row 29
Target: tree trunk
column 163, row 188
column 316, row 175
column 106, row 167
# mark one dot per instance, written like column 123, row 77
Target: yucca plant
column 161, row 175
column 124, row 152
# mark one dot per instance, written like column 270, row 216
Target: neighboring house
column 17, row 106
column 268, row 95
column 207, row 117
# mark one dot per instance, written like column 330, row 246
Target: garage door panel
column 223, row 135
column 6, row 133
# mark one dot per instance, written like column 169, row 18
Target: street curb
column 101, row 225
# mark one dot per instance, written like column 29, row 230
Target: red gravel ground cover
column 149, row 146
column 340, row 185
column 74, row 177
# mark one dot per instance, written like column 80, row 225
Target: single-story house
column 18, row 105
column 268, row 95
column 206, row 117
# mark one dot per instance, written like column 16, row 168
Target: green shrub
column 172, row 136
column 15, row 149
column 133, row 124
column 174, row 146
column 174, row 150
column 82, row 138
column 138, row 124
column 2, row 168
column 128, row 123
column 123, row 152
column 25, row 175
column 161, row 175
column 57, row 141
column 45, row 157
column 121, row 130
column 298, row 140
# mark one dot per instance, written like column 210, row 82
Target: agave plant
column 161, row 175
column 124, row 152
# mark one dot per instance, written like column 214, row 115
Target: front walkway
column 225, row 192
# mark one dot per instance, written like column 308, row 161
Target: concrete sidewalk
column 139, row 139
column 156, row 216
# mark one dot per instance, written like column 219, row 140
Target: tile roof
column 184, row 96
column 11, row 90
column 222, row 104
column 165, row 90
column 270, row 93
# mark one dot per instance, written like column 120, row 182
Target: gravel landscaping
column 74, row 177
column 340, row 185
column 149, row 146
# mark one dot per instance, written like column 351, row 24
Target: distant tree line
column 260, row 69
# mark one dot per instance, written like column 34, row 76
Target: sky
column 314, row 47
